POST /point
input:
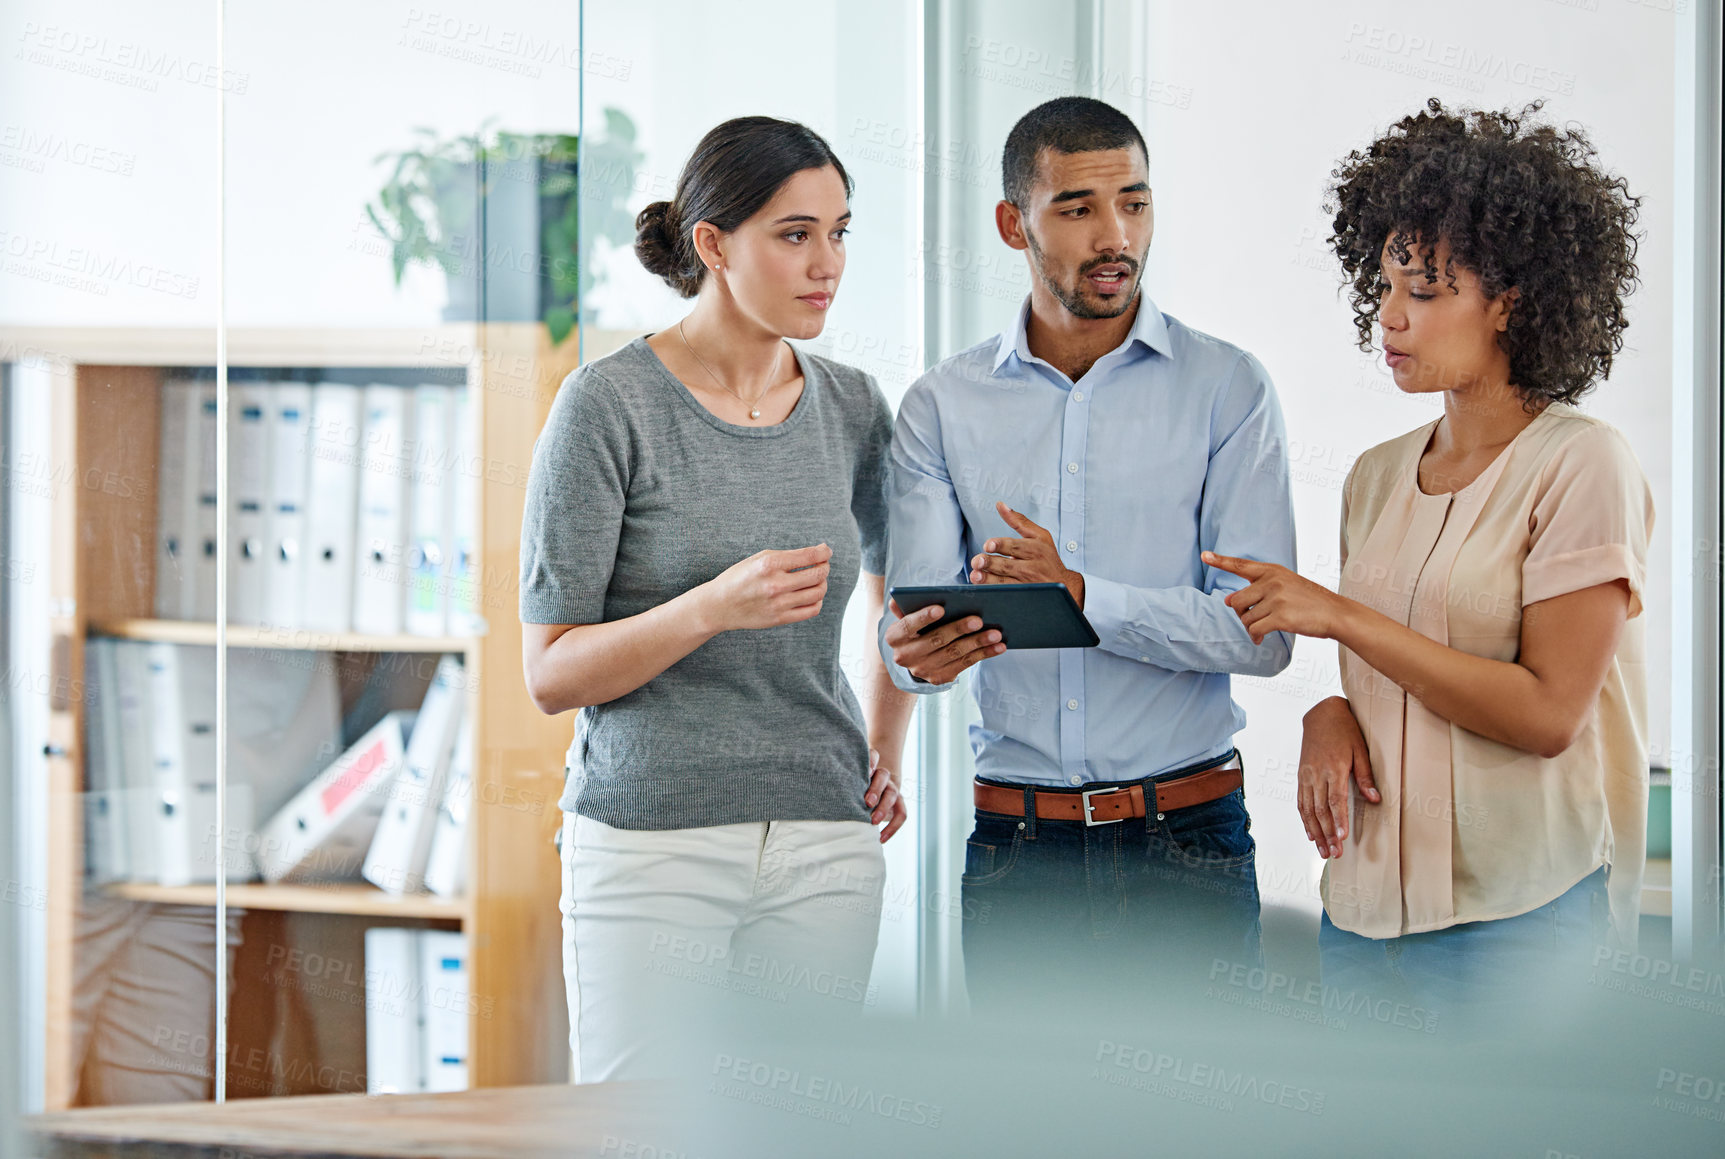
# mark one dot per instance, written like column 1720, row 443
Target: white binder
column 332, row 507
column 380, row 588
column 289, row 424
column 248, row 477
column 136, row 765
column 182, row 707
column 464, row 612
column 177, row 481
column 443, row 972
column 446, row 865
column 396, row 860
column 324, row 832
column 104, row 774
column 203, row 562
column 394, row 1012
column 429, row 548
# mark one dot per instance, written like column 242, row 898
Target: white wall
column 314, row 93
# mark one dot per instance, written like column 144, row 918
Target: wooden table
column 611, row 1119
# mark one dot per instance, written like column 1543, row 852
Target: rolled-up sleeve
column 1591, row 522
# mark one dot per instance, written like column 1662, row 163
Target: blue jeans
column 1496, row 978
column 1144, row 903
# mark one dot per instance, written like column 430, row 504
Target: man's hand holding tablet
column 937, row 655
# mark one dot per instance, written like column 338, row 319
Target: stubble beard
column 1072, row 297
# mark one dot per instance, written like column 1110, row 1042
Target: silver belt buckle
column 1089, row 816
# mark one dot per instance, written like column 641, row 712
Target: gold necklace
column 754, row 407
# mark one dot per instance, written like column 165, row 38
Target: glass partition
column 108, row 308
column 400, row 251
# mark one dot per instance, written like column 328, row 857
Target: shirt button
column 1076, row 779
column 1073, row 704
column 1072, row 468
column 1143, row 659
column 1071, row 545
column 1078, row 396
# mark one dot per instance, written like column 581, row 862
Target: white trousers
column 662, row 924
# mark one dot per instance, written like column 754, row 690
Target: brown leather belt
column 1113, row 803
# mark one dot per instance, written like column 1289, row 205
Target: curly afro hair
column 1522, row 205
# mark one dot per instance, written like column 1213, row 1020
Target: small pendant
column 754, row 414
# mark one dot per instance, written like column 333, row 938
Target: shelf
column 330, row 898
column 297, row 639
column 447, row 344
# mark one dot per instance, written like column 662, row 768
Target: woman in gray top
column 699, row 507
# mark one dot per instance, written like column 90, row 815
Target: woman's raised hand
column 769, row 588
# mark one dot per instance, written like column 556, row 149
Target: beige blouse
column 1468, row 828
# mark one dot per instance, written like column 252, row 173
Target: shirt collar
column 1149, row 329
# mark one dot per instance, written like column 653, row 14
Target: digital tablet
column 1027, row 615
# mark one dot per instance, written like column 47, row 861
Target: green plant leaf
column 559, row 320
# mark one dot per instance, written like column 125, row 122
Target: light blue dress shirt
column 1171, row 444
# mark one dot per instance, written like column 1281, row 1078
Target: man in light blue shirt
column 1102, row 444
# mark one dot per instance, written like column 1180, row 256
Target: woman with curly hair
column 1480, row 793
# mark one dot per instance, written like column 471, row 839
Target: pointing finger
column 1248, row 568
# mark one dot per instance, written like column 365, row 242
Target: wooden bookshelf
column 252, row 636
column 332, row 898
column 106, row 426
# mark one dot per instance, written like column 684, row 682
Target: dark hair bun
column 659, row 249
column 734, row 171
